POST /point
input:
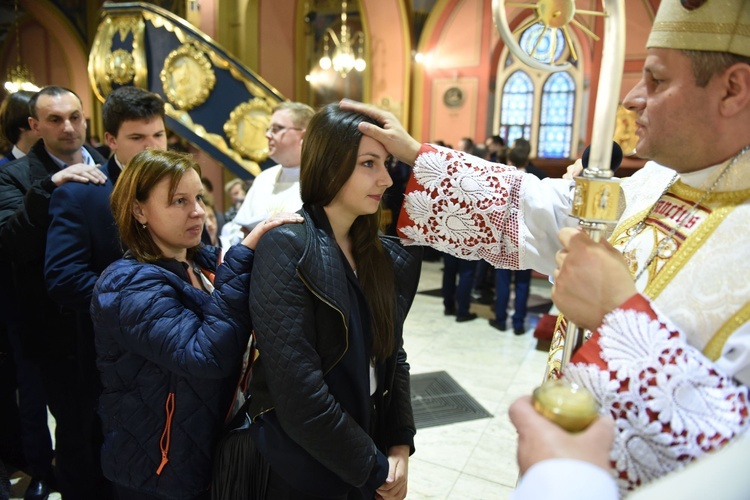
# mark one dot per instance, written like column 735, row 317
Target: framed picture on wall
column 453, row 97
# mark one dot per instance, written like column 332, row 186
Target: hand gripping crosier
column 597, row 193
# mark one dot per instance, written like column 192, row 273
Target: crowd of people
column 139, row 336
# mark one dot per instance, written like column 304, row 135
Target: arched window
column 544, row 108
column 518, row 106
column 556, row 118
column 543, row 49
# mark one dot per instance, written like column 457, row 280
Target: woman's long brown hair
column 329, row 154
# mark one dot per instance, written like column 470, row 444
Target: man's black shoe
column 38, row 490
column 449, row 311
column 498, row 325
column 519, row 331
column 468, row 317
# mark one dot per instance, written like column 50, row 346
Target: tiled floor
column 474, row 459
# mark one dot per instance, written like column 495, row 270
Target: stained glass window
column 541, row 43
column 539, row 106
column 517, row 107
column 556, row 119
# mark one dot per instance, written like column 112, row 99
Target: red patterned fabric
column 670, row 404
column 464, row 206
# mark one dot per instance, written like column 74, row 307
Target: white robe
column 274, row 190
column 699, row 283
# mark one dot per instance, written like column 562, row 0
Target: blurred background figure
column 212, row 224
column 14, row 125
column 218, row 215
column 236, row 190
column 497, row 149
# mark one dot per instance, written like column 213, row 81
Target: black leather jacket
column 300, row 306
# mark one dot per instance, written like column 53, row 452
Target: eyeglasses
column 275, row 129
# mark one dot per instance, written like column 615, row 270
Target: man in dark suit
column 49, row 331
column 22, row 395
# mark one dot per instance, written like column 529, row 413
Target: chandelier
column 19, row 78
column 348, row 49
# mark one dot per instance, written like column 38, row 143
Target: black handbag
column 239, row 471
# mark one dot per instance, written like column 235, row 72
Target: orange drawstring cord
column 167, row 434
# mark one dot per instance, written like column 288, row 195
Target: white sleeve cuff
column 566, row 479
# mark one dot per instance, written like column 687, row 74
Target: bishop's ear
column 737, row 89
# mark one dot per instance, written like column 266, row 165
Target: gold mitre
column 711, row 25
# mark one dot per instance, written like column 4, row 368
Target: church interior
column 440, row 66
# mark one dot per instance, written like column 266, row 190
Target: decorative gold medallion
column 187, row 77
column 123, row 66
column 246, row 128
column 666, row 248
column 120, row 66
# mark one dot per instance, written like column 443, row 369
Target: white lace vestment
column 475, row 209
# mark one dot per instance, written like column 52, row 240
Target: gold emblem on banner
column 246, row 129
column 187, row 77
column 120, row 66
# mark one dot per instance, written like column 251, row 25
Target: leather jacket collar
column 320, row 266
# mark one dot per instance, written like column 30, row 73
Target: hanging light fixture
column 19, row 78
column 348, row 49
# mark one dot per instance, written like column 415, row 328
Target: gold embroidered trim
column 622, row 228
column 710, row 28
column 720, row 197
column 554, row 356
column 686, row 251
column 716, row 344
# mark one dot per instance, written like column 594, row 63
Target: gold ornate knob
column 569, row 405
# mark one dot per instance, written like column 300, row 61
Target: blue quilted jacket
column 169, row 356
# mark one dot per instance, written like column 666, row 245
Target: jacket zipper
column 166, row 435
column 343, row 319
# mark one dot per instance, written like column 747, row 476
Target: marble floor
column 474, row 459
column 467, row 460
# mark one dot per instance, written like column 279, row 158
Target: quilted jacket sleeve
column 400, row 419
column 283, row 312
column 400, row 428
column 194, row 335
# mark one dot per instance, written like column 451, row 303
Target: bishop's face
column 676, row 120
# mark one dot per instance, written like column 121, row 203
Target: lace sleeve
column 670, row 403
column 474, row 209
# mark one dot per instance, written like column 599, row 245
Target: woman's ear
column 138, row 213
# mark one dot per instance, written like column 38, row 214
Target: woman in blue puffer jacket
column 171, row 328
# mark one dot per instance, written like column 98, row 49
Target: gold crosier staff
column 597, row 193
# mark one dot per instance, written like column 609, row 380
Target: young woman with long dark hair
column 330, row 391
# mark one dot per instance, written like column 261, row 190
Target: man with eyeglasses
column 276, row 189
